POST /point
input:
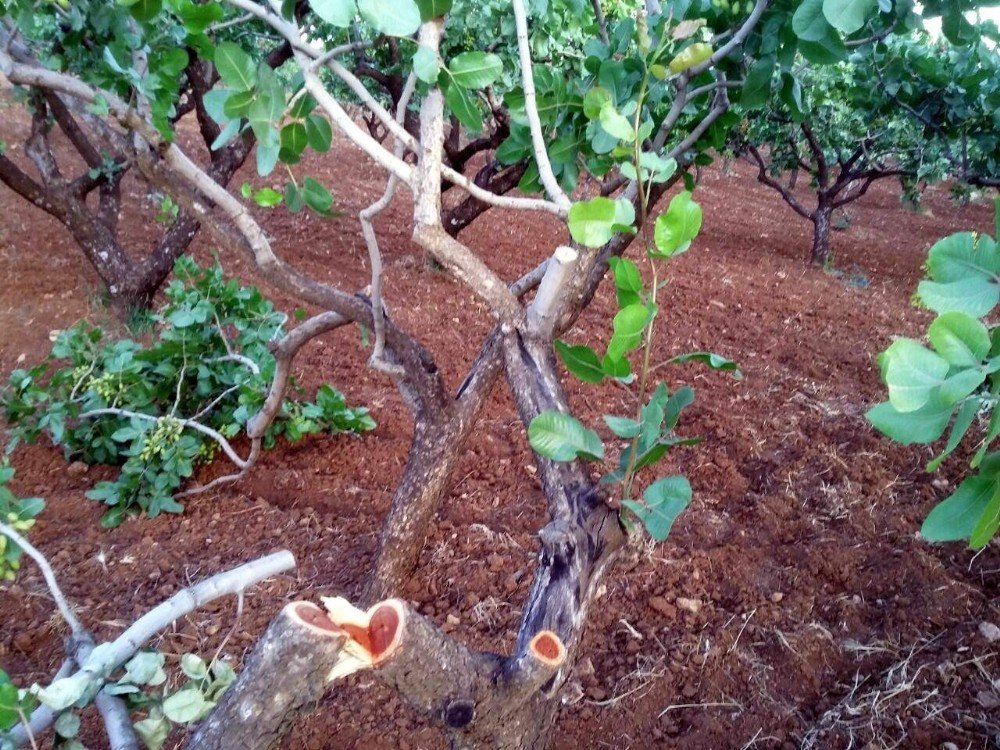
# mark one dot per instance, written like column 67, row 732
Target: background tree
column 618, row 121
column 833, row 127
column 157, row 73
column 953, row 92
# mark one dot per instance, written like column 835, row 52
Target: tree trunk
column 820, row 255
column 433, row 454
column 287, row 670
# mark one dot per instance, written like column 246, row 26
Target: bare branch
column 142, row 630
column 552, row 188
column 366, row 217
column 764, row 178
column 75, row 626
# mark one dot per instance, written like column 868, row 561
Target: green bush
column 207, row 360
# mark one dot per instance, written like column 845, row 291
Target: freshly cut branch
column 101, row 663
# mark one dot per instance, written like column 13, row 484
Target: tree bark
column 433, row 454
column 820, row 255
column 287, row 670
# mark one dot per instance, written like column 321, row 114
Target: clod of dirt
column 988, row 699
column 691, row 605
column 77, row 469
column 989, row 631
column 661, row 605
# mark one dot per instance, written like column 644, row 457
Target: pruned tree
column 628, row 115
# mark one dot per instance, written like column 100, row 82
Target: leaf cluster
column 208, row 359
column 954, row 382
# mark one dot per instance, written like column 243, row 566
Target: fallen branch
column 99, row 664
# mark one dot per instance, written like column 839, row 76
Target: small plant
column 19, row 514
column 158, row 410
column 957, row 382
column 649, row 432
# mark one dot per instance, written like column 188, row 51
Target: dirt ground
column 793, row 605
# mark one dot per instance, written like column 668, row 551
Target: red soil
column 793, row 604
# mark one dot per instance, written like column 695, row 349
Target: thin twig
column 75, row 626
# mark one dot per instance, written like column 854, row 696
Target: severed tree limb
column 470, row 694
column 288, row 669
column 117, row 652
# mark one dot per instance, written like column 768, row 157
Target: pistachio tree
column 627, row 99
column 915, row 110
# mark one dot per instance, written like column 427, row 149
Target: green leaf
column 316, row 196
column 475, row 70
column 293, row 198
column 267, row 197
column 715, row 361
column 144, row 10
column 184, row 706
column 988, row 523
column 238, row 104
column 664, row 500
column 925, row 425
column 145, row 668
column 335, row 12
column 433, row 8
column 629, row 325
column 622, row 426
column 957, row 516
column 319, row 133
column 956, row 387
column 676, row 227
column 426, row 64
column 809, row 22
column 619, row 369
column 912, row 372
column 302, row 107
column 963, row 421
column 960, row 339
column 594, row 101
column 848, row 16
column 757, row 83
column 194, row 666
column 153, row 731
column 615, row 123
column 391, row 17
column 580, row 360
column 67, row 724
column 628, row 281
column 463, row 106
column 235, row 67
column 268, row 150
column 964, row 275
column 64, row 692
column 293, row 142
column 594, row 222
column 561, row 437
column 693, row 54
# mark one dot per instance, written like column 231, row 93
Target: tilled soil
column 792, row 606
